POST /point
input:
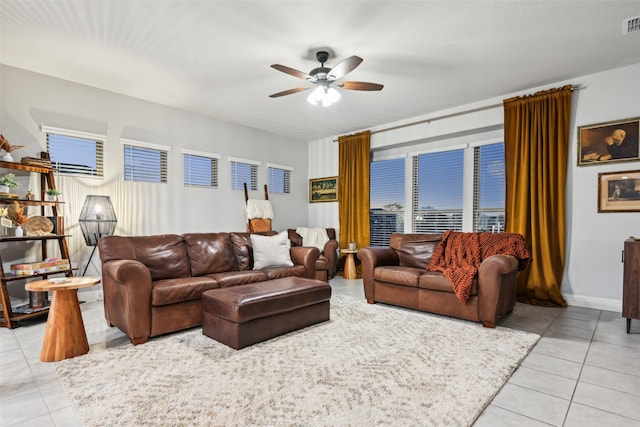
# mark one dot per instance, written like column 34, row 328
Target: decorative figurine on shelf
column 8, row 148
column 7, row 183
column 5, row 222
column 52, row 194
column 16, row 214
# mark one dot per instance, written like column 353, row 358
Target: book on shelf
column 46, row 266
column 35, row 161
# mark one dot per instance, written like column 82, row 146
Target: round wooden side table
column 350, row 271
column 64, row 335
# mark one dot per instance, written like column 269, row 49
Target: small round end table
column 350, row 271
column 64, row 336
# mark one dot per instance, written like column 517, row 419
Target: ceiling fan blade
column 360, row 86
column 345, row 67
column 288, row 92
column 291, row 71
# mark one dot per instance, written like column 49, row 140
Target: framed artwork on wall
column 609, row 142
column 323, row 189
column 619, row 191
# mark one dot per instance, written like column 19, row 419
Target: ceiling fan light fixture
column 316, row 96
column 327, row 96
column 331, row 96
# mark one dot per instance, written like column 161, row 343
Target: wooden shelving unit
column 11, row 315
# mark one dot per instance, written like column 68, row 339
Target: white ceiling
column 213, row 57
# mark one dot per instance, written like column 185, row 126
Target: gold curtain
column 353, row 188
column 536, row 137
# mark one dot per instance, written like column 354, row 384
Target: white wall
column 29, row 100
column 593, row 272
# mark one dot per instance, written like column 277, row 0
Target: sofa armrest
column 307, row 256
column 331, row 252
column 371, row 258
column 497, row 287
column 127, row 297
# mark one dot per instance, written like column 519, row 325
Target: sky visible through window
column 440, row 180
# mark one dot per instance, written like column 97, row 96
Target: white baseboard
column 593, row 302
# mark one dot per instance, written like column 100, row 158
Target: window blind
column 386, row 209
column 200, row 171
column 437, row 191
column 489, row 188
column 144, row 164
column 74, row 155
column 279, row 180
column 244, row 173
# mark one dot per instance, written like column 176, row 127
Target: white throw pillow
column 271, row 251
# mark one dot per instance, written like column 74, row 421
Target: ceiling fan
column 326, row 79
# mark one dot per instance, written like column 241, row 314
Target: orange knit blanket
column 459, row 256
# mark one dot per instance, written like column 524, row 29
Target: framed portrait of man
column 609, row 142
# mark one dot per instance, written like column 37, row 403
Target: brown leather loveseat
column 399, row 275
column 326, row 264
column 153, row 284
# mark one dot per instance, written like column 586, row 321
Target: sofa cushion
column 271, row 251
column 407, row 276
column 171, row 291
column 322, row 263
column 415, row 250
column 210, row 253
column 279, row 272
column 164, row 255
column 436, row 281
column 234, row 278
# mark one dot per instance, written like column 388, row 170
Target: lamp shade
column 97, row 219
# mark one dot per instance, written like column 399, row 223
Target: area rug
column 368, row 365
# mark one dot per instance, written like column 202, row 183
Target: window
column 200, row 169
column 386, row 212
column 145, row 162
column 280, row 179
column 489, row 188
column 244, row 171
column 75, row 153
column 438, row 191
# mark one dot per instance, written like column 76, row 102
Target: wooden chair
column 257, row 224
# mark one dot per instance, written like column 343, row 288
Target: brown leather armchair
column 326, row 263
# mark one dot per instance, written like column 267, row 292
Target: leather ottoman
column 243, row 315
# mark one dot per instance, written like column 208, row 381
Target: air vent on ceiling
column 631, row 25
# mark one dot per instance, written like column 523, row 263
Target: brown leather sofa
column 153, row 284
column 326, row 264
column 398, row 275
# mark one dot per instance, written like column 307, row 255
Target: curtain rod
column 445, row 116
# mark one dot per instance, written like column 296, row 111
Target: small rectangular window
column 144, row 163
column 200, row 170
column 279, row 179
column 244, row 171
column 75, row 153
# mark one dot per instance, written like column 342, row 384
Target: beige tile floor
column 585, row 370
